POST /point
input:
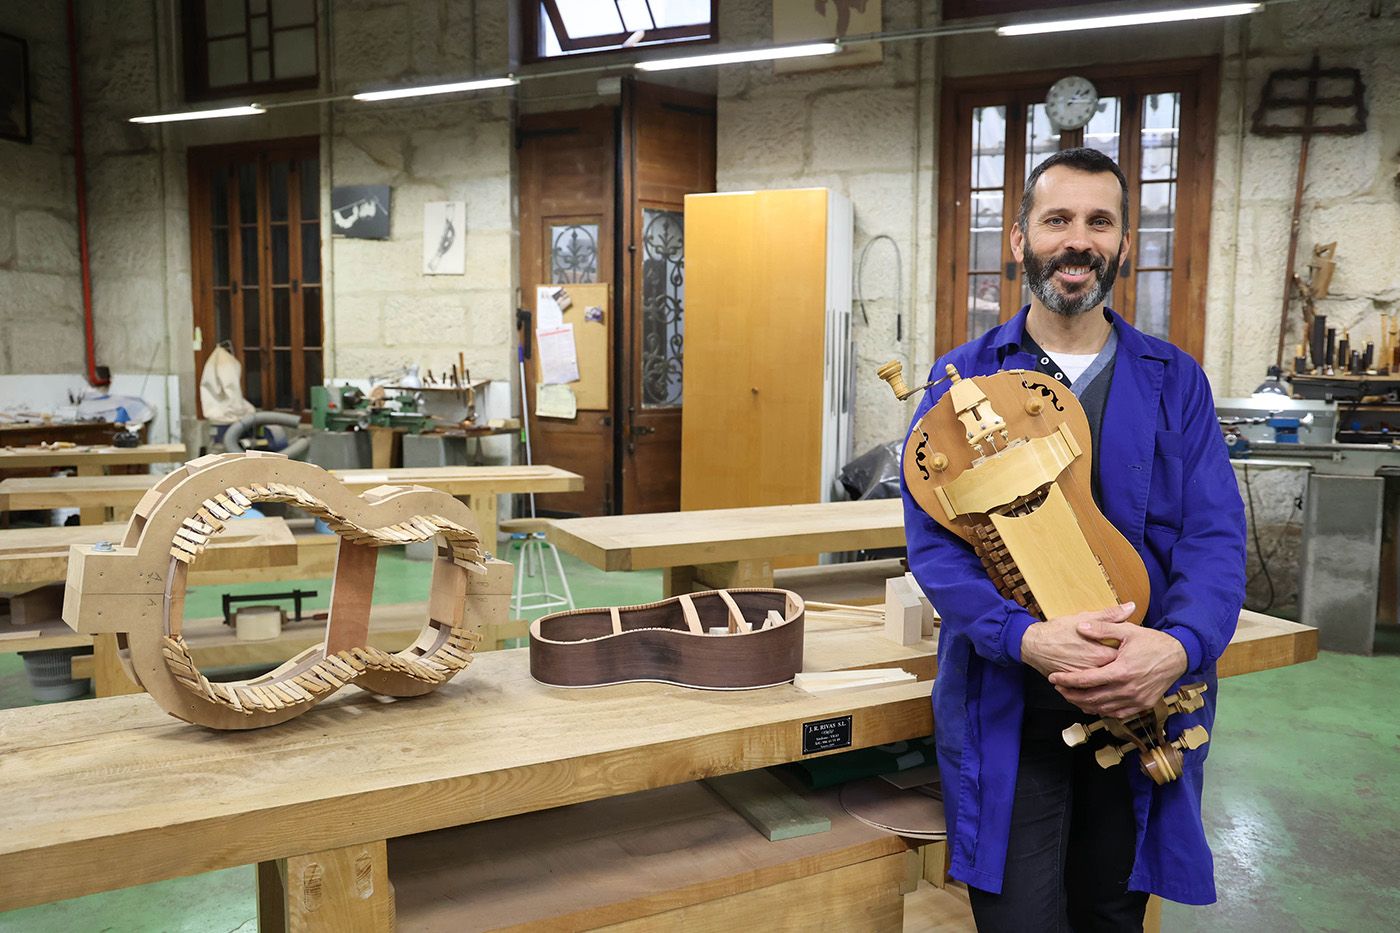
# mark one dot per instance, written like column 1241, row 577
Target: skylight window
column 573, row 27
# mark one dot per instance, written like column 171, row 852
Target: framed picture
column 360, row 212
column 14, row 89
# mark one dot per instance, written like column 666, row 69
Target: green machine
column 346, row 408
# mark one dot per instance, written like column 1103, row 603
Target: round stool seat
column 526, row 525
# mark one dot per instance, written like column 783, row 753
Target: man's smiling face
column 1074, row 239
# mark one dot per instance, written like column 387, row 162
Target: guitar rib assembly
column 1003, row 462
column 137, row 590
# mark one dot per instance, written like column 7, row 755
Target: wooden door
column 567, row 164
column 255, row 241
column 575, row 168
column 668, row 146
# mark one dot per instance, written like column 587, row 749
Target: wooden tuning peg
column 893, row 373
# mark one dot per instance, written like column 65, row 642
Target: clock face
column 1071, row 103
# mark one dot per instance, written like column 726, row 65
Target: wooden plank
column 12, row 458
column 32, row 557
column 770, row 806
column 100, row 796
column 1264, row 642
column 673, row 539
column 628, row 858
column 52, row 492
column 865, row 896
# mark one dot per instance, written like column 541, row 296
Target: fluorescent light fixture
column 747, row 55
column 1129, row 19
column 246, row 111
column 401, row 92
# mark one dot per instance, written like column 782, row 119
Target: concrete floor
column 1302, row 795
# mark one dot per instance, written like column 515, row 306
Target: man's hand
column 1148, row 663
column 1059, row 644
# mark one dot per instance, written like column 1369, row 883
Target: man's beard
column 1091, row 295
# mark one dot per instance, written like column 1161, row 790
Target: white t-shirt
column 1074, row 364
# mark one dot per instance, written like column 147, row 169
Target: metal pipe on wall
column 96, row 375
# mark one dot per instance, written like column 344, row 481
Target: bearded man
column 1043, row 837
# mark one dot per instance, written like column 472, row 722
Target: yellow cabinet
column 766, row 379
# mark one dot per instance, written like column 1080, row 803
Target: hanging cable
column 898, row 284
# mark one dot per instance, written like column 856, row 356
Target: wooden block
column 327, row 892
column 818, row 682
column 903, row 614
column 38, row 606
column 936, row 863
column 769, row 805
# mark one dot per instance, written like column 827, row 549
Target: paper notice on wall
column 558, row 354
column 555, row 402
column 546, row 308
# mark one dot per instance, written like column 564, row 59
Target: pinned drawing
column 445, row 238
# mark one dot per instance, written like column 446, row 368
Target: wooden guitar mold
column 1004, row 462
column 137, row 589
column 759, row 643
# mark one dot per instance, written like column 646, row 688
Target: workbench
column 88, row 460
column 728, row 547
column 36, row 557
column 102, row 794
column 479, row 486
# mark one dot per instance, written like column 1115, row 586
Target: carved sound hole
column 921, row 454
column 1045, row 391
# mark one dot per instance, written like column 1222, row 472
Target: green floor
column 1302, row 797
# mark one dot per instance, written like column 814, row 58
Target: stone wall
column 380, row 313
column 1351, row 195
column 386, row 314
column 867, row 132
column 41, row 316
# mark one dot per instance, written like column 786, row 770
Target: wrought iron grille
column 663, row 307
column 573, row 254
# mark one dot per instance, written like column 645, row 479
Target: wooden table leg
column 330, row 891
column 485, row 508
column 91, row 514
column 688, row 579
column 109, row 677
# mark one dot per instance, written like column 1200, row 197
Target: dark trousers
column 1072, row 841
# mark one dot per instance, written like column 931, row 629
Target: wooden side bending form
column 1004, row 462
column 137, row 589
column 733, row 639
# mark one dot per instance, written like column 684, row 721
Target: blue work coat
column 1168, row 487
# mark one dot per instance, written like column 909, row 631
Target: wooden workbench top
column 101, row 794
column 12, row 458
column 31, row 557
column 50, row 492
column 709, row 536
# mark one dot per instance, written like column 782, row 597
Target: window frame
column 195, row 48
column 201, row 163
column 671, row 36
column 1198, row 82
column 979, row 9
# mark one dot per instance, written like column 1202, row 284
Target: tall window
column 255, row 236
column 555, row 28
column 236, row 46
column 1155, row 120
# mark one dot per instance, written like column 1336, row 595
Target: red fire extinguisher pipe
column 97, row 376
